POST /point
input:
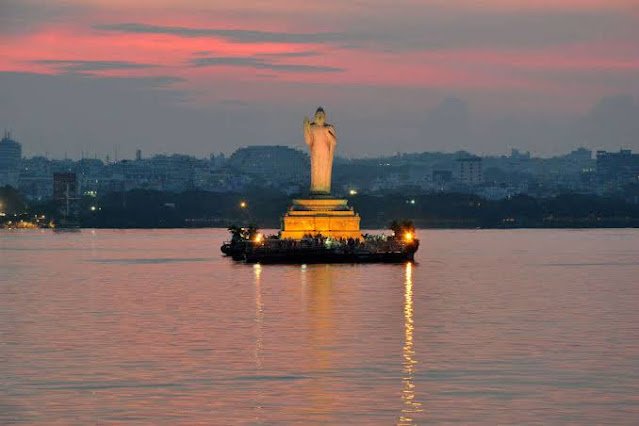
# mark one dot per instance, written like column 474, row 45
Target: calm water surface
column 532, row 326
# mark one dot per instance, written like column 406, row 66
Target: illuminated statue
column 320, row 137
column 320, row 213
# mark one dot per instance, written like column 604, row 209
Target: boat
column 235, row 249
column 319, row 249
column 67, row 226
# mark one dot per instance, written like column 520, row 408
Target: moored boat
column 304, row 255
column 319, row 249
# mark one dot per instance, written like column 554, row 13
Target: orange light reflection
column 411, row 406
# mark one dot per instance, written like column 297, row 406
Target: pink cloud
column 453, row 69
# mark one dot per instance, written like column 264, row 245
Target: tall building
column 581, row 155
column 615, row 169
column 468, row 170
column 10, row 158
column 36, row 178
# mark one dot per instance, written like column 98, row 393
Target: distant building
column 10, row 158
column 90, row 172
column 36, row 178
column 174, row 172
column 616, row 169
column 276, row 164
column 468, row 170
column 442, row 176
column 515, row 154
column 579, row 155
column 286, row 169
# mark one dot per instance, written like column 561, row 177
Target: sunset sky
column 202, row 76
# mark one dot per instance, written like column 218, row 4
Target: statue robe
column 321, row 141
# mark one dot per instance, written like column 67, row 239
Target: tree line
column 157, row 209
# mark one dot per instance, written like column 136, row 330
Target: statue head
column 320, row 116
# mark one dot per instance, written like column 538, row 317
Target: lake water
column 155, row 326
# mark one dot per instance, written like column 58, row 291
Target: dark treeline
column 154, row 209
column 149, row 209
column 449, row 210
column 11, row 201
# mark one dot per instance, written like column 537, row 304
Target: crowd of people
column 318, row 241
column 250, row 237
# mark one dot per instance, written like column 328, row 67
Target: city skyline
column 135, row 153
column 200, row 77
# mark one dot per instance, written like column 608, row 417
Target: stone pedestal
column 330, row 217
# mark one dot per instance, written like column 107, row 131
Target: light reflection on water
column 259, row 320
column 411, row 406
column 493, row 327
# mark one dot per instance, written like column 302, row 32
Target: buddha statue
column 321, row 140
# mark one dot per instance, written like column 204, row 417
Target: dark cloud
column 79, row 66
column 237, row 35
column 257, row 63
column 447, row 25
column 434, row 29
column 430, row 28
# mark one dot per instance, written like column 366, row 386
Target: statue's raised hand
column 308, row 138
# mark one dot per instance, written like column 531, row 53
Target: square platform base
column 329, row 217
